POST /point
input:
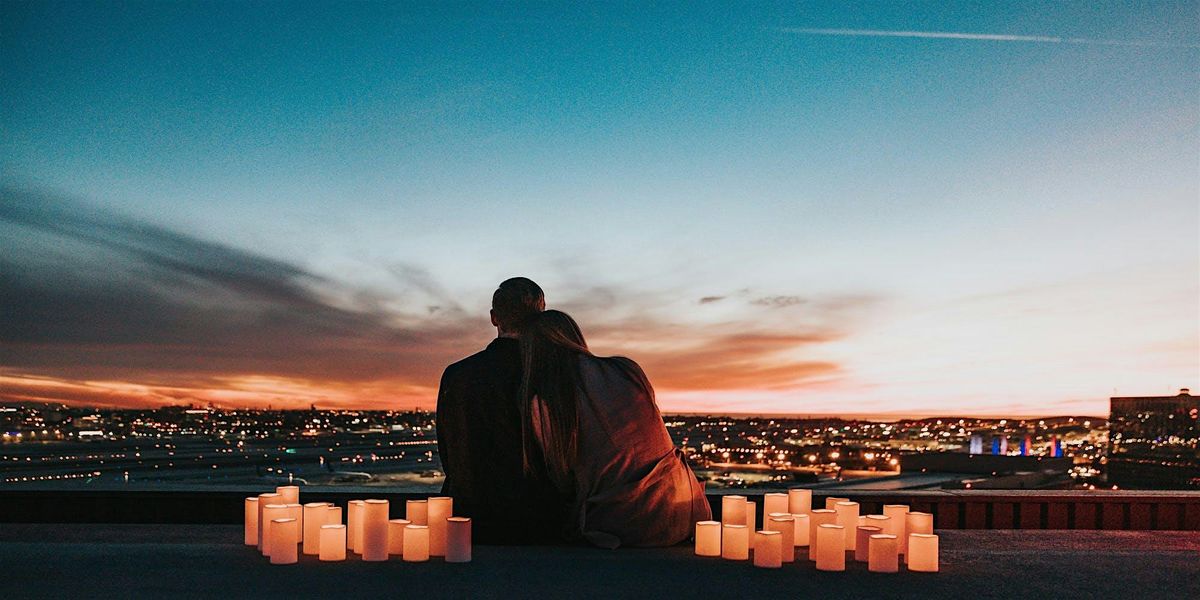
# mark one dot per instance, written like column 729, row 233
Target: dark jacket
column 479, row 440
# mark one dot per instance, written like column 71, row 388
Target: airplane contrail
column 991, row 37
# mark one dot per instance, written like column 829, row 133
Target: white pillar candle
column 915, row 522
column 438, row 509
column 735, row 542
column 751, row 515
column 896, row 512
column 922, row 552
column 285, row 536
column 775, row 503
column 863, row 534
column 416, row 543
column 333, row 542
column 354, row 510
column 831, row 551
column 290, row 493
column 882, row 554
column 733, row 510
column 263, row 501
column 314, row 518
column 271, row 512
column 396, row 535
column 417, row 511
column 801, row 536
column 786, row 526
column 458, row 540
column 374, row 540
column 831, row 503
column 817, row 518
column 296, row 511
column 880, row 521
column 250, row 537
column 767, row 549
column 333, row 515
column 847, row 517
column 708, row 538
column 799, row 501
column 862, row 520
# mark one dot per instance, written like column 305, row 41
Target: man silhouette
column 479, row 432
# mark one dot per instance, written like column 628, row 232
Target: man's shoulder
column 496, row 355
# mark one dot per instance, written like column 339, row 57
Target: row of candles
column 282, row 528
column 829, row 534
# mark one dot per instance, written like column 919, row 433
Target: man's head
column 514, row 301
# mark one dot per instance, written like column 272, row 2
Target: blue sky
column 875, row 222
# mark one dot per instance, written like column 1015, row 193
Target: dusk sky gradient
column 901, row 208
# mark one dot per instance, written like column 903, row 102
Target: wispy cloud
column 988, row 37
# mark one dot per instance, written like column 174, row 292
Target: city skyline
column 916, row 209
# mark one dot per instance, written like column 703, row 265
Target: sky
column 882, row 208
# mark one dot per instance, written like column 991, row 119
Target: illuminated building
column 1153, row 442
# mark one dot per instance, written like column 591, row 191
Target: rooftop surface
column 92, row 560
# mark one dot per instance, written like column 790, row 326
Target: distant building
column 1154, row 442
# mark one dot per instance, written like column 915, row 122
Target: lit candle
column 831, row 503
column 879, row 521
column 285, row 536
column 290, row 493
column 438, row 509
column 786, row 526
column 271, row 512
column 263, row 501
column 333, row 542
column 735, row 542
column 417, row 511
column 831, row 551
column 862, row 520
column 915, row 522
column 801, row 536
column 708, row 538
column 895, row 513
column 817, row 518
column 373, row 518
column 751, row 515
column 767, row 547
column 922, row 552
column 396, row 535
column 314, row 518
column 458, row 540
column 354, row 510
column 333, row 516
column 881, row 554
column 296, row 511
column 799, row 501
column 863, row 534
column 847, row 517
column 250, row 537
column 416, row 543
column 775, row 503
column 733, row 510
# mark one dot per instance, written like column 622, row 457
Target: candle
column 863, row 533
column 735, row 542
column 881, row 554
column 775, row 503
column 438, row 509
column 922, row 552
column 396, row 535
column 458, row 540
column 831, row 503
column 296, row 511
column 333, row 542
column 831, row 551
column 250, row 537
column 354, row 510
column 751, row 515
column 767, row 547
column 786, row 526
column 314, row 518
column 862, row 520
column 799, row 501
column 896, row 512
column 290, row 493
column 417, row 511
column 879, row 521
column 733, row 510
column 263, row 501
column 271, row 512
column 333, row 515
column 708, row 538
column 801, row 536
column 373, row 540
column 285, row 535
column 817, row 518
column 847, row 517
column 416, row 543
column 915, row 522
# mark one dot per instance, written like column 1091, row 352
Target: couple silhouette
column 542, row 441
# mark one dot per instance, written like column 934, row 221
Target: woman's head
column 551, row 344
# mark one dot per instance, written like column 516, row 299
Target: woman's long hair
column 551, row 344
